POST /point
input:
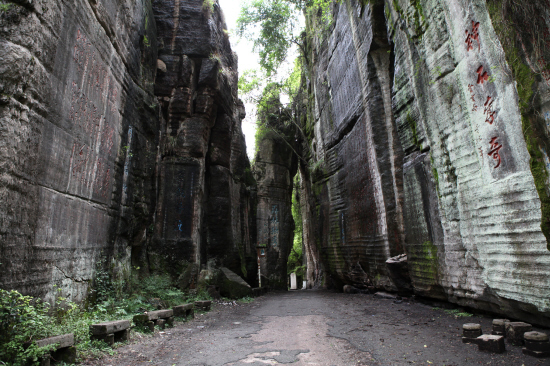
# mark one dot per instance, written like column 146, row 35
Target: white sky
column 247, row 60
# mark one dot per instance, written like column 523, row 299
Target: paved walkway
column 317, row 328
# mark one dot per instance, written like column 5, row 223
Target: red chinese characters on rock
column 482, row 76
column 494, row 152
column 488, row 111
column 473, row 36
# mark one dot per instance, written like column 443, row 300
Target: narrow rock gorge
column 420, row 133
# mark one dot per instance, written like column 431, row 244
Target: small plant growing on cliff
column 5, row 7
column 208, row 6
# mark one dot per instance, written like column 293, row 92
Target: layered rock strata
column 205, row 208
column 121, row 144
column 428, row 133
column 76, row 80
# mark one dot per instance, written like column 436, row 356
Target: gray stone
column 203, row 305
column 385, row 295
column 233, row 286
column 398, row 271
column 515, row 332
column 471, row 332
column 499, row 326
column 109, row 327
column 63, row 341
column 535, row 336
column 491, row 343
column 161, row 323
column 536, row 341
column 161, row 65
column 184, row 311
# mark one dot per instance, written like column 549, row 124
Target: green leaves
column 272, row 26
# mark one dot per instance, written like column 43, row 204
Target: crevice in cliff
column 78, row 280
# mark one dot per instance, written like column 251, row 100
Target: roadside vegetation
column 24, row 319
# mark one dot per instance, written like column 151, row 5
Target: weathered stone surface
column 233, row 286
column 515, row 332
column 499, row 326
column 109, row 327
column 202, row 215
column 274, row 168
column 72, row 88
column 535, row 336
column 537, row 341
column 471, row 332
column 184, row 310
column 63, row 341
column 152, row 316
column 536, row 354
column 413, row 151
column 491, row 343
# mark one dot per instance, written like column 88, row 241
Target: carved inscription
column 472, row 36
column 488, row 103
column 494, row 152
column 93, row 103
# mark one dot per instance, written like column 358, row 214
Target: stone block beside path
column 499, row 326
column 471, row 332
column 515, row 332
column 184, row 311
column 152, row 318
column 491, row 343
column 203, row 305
column 111, row 332
column 536, row 344
column 65, row 350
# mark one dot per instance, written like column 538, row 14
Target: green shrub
column 22, row 319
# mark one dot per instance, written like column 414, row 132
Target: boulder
column 233, row 286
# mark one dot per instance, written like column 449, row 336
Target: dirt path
column 317, row 328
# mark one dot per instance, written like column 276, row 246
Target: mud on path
column 316, row 328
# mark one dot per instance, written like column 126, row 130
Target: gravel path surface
column 317, row 328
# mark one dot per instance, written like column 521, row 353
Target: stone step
column 491, row 343
column 515, row 332
column 65, row 340
column 185, row 310
column 153, row 315
column 109, row 327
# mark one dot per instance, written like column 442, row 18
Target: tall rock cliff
column 428, row 137
column 205, row 208
column 76, row 80
column 121, row 143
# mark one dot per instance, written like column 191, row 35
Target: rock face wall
column 205, row 208
column 104, row 160
column 421, row 135
column 76, row 81
column 275, row 166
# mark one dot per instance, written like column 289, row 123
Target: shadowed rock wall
column 421, row 131
column 275, row 166
column 76, row 83
column 205, row 208
column 116, row 150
